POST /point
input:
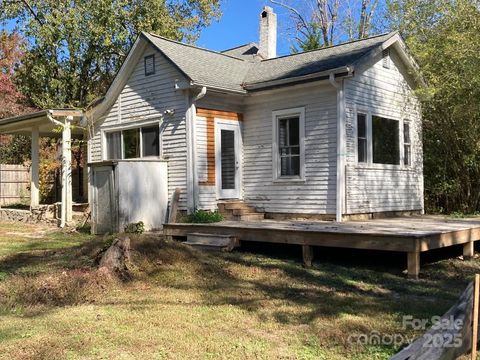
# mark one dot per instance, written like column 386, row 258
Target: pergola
column 48, row 123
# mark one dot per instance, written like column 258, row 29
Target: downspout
column 340, row 184
column 192, row 149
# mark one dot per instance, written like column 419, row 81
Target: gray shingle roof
column 311, row 62
column 205, row 67
column 246, row 52
column 233, row 69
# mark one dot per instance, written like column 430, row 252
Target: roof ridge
column 239, row 46
column 333, row 46
column 193, row 46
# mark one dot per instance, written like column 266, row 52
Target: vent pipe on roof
column 268, row 33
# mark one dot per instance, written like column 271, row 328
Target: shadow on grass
column 355, row 282
column 267, row 280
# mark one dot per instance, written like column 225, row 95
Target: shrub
column 204, row 217
column 135, row 228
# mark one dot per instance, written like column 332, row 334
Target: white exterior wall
column 142, row 193
column 387, row 93
column 145, row 99
column 316, row 195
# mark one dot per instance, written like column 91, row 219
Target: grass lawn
column 185, row 304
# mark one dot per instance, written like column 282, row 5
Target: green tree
column 76, row 47
column 444, row 36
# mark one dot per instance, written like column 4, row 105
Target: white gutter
column 341, row 147
column 321, row 74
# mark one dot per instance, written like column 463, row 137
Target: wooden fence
column 455, row 333
column 14, row 184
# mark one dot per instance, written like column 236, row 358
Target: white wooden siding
column 316, row 195
column 147, row 98
column 202, row 161
column 388, row 93
column 207, row 197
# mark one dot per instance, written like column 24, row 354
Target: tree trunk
column 117, row 258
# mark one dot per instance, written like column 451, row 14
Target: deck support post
column 468, row 250
column 307, row 253
column 413, row 264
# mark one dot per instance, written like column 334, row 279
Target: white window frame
column 369, row 163
column 139, row 125
column 276, row 116
column 410, row 144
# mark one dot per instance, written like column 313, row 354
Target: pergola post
column 35, row 177
column 66, row 216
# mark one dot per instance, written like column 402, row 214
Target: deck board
column 408, row 234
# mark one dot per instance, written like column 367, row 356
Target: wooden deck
column 411, row 235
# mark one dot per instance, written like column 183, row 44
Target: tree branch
column 30, row 9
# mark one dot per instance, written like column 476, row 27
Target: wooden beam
column 300, row 237
column 307, row 253
column 468, row 250
column 35, row 177
column 413, row 263
column 66, row 113
column 172, row 216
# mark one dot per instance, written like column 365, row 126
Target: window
column 386, row 58
column 149, row 65
column 362, row 138
column 114, row 145
column 150, row 141
column 133, row 143
column 385, row 141
column 381, row 140
column 289, row 144
column 407, row 146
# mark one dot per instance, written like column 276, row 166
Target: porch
column 410, row 235
column 51, row 123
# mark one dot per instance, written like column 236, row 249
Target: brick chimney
column 268, row 33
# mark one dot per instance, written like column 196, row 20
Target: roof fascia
column 396, row 42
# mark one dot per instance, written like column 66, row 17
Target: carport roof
column 24, row 123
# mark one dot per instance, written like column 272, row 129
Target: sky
column 239, row 25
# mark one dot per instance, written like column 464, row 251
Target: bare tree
column 321, row 23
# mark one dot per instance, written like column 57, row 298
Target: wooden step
column 236, row 205
column 213, row 242
column 250, row 217
column 244, row 211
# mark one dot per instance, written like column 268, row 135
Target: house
column 333, row 133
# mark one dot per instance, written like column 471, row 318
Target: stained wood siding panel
column 317, row 194
column 388, row 93
column 146, row 98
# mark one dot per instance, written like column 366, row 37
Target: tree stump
column 117, row 258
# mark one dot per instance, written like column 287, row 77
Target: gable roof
column 315, row 61
column 203, row 67
column 247, row 51
column 240, row 69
